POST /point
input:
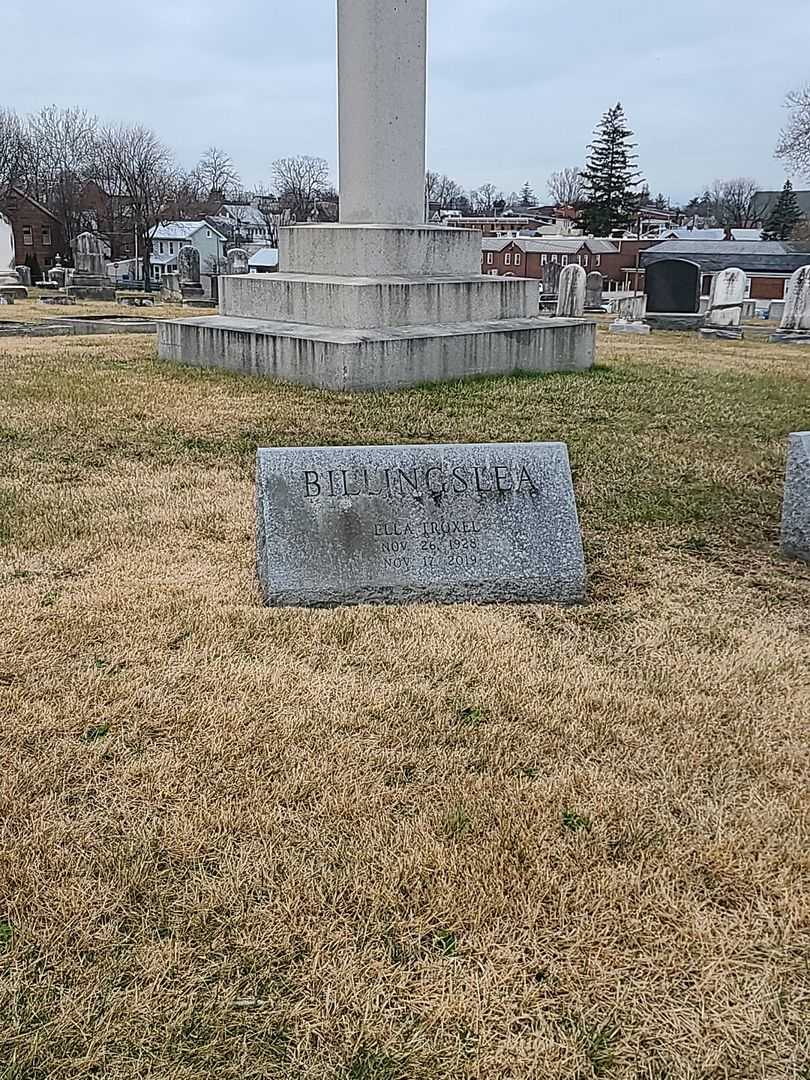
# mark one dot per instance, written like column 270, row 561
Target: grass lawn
column 501, row 843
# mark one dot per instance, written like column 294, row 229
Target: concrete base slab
column 674, row 321
column 198, row 302
column 91, row 292
column 382, row 359
column 790, row 337
column 379, row 250
column 361, row 303
column 726, row 333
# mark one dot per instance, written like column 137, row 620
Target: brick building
column 527, row 256
column 38, row 234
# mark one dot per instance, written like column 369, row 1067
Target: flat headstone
column 571, row 297
column 481, row 523
column 673, row 286
column 796, row 510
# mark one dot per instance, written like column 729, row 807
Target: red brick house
column 37, row 232
column 527, row 256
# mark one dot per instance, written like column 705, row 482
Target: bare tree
column 216, row 173
column 443, row 192
column 794, row 139
column 300, row 182
column 145, row 172
column 62, row 145
column 485, row 199
column 566, row 187
column 12, row 150
column 734, row 202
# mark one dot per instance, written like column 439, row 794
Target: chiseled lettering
column 525, row 480
column 312, row 484
column 478, row 478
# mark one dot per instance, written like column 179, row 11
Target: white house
column 167, row 239
column 243, row 224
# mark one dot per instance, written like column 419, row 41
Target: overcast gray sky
column 516, row 88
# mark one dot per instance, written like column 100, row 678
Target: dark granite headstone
column 673, row 286
column 551, row 278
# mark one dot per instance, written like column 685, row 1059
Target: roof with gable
column 182, row 230
column 242, row 215
column 753, row 256
column 551, row 245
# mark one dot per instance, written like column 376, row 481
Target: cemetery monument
column 673, row 295
column 725, row 311
column 10, row 287
column 90, row 279
column 595, row 289
column 572, row 292
column 382, row 299
column 795, row 326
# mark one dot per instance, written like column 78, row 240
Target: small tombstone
column 188, row 271
column 238, row 261
column 796, row 510
column 24, row 275
column 89, row 259
column 724, row 314
column 673, row 287
column 795, row 326
column 10, row 286
column 485, row 523
column 594, row 291
column 571, row 297
column 551, row 279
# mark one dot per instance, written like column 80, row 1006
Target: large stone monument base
column 91, row 292
column 376, row 307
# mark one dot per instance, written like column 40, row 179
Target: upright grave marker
column 10, row 287
column 483, row 523
column 571, row 298
column 724, row 314
column 796, row 511
column 595, row 290
column 795, row 328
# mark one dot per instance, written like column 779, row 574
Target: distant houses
column 767, row 263
column 38, row 234
column 168, row 238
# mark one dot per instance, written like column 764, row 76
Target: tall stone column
column 382, row 93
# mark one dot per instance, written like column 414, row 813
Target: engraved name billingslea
column 433, row 481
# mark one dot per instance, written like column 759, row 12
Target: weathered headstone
column 673, row 286
column 795, row 327
column 626, row 326
column 724, row 314
column 551, row 279
column 796, row 511
column 10, row 286
column 594, row 291
column 238, row 261
column 397, row 524
column 24, row 276
column 90, row 278
column 571, row 296
column 188, row 269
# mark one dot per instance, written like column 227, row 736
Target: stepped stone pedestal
column 381, row 300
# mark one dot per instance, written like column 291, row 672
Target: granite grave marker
column 673, row 286
column 571, row 297
column 796, row 510
column 483, row 523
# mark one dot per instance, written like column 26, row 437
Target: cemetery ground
column 400, row 843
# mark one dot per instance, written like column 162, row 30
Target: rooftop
column 181, row 230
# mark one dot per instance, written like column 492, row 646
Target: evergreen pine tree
column 611, row 178
column 784, row 217
column 526, row 195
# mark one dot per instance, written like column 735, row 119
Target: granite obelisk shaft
column 382, row 94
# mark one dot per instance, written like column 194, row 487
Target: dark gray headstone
column 188, row 265
column 397, row 524
column 673, row 286
column 595, row 289
column 551, row 278
column 796, row 512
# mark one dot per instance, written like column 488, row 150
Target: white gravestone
column 795, row 326
column 571, row 298
column 485, row 523
column 595, row 289
column 238, row 261
column 725, row 310
column 10, row 287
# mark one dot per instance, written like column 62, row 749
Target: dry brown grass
column 31, row 311
column 400, row 844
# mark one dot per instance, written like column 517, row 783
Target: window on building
column 565, row 260
column 544, row 260
column 28, row 237
column 11, row 203
column 507, row 258
column 518, row 259
column 46, row 236
column 161, row 248
column 597, row 260
column 208, row 233
column 490, row 258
